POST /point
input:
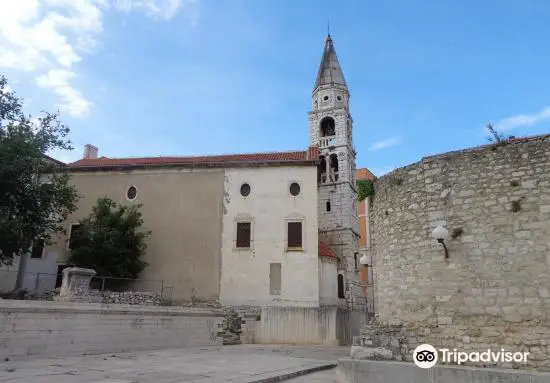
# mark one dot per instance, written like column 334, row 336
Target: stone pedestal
column 76, row 283
column 231, row 329
column 380, row 342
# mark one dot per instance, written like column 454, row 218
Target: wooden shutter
column 243, row 234
column 37, row 248
column 294, row 234
column 76, row 232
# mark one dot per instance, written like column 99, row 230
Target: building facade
column 243, row 229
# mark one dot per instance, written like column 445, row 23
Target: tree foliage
column 365, row 188
column 35, row 197
column 110, row 241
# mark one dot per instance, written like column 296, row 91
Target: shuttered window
column 76, row 232
column 294, row 234
column 243, row 234
column 37, row 248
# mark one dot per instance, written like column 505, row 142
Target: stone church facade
column 243, row 229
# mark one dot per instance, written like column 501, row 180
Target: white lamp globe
column 364, row 260
column 440, row 233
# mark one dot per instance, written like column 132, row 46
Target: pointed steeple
column 330, row 72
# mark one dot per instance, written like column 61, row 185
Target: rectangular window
column 294, row 235
column 243, row 235
column 275, row 279
column 76, row 231
column 37, row 248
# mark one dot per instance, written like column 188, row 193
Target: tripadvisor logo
column 426, row 356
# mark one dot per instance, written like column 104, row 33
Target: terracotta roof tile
column 311, row 154
column 364, row 174
column 326, row 251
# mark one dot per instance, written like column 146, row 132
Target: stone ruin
column 231, row 328
column 75, row 284
column 76, row 288
column 378, row 341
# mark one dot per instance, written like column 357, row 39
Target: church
column 243, row 229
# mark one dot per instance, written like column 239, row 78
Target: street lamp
column 441, row 234
column 364, row 260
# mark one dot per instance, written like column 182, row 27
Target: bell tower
column 331, row 129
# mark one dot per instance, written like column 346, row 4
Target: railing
column 362, row 295
column 329, row 177
column 45, row 286
column 326, row 142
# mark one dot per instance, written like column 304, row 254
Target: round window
column 339, row 98
column 131, row 193
column 325, row 98
column 294, row 189
column 245, row 190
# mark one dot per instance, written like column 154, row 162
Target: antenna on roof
column 328, row 27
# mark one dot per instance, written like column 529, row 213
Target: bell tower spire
column 330, row 125
column 330, row 72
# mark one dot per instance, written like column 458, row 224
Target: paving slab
column 236, row 364
column 326, row 376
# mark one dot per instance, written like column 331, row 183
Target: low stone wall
column 360, row 371
column 297, row 325
column 124, row 298
column 380, row 341
column 33, row 328
column 326, row 325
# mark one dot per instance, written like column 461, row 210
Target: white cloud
column 513, row 122
column 164, row 9
column 58, row 81
column 379, row 172
column 47, row 38
column 385, row 144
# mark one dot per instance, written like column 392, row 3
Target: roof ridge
column 195, row 155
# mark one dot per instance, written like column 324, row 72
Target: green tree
column 35, row 195
column 110, row 241
column 365, row 188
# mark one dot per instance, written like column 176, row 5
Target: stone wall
column 38, row 329
column 125, row 297
column 494, row 289
column 361, row 371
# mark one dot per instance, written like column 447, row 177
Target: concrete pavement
column 326, row 376
column 236, row 364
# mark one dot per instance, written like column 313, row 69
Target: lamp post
column 441, row 234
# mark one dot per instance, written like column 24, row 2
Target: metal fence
column 361, row 296
column 41, row 285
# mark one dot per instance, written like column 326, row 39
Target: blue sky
column 187, row 77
